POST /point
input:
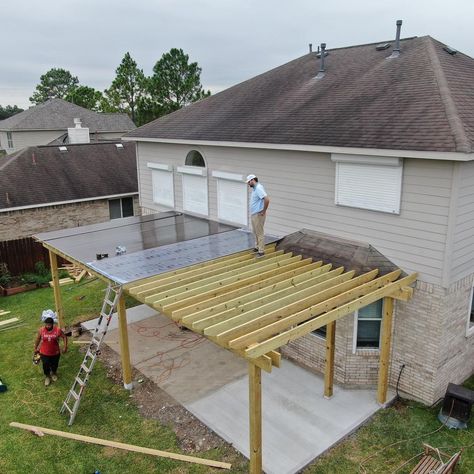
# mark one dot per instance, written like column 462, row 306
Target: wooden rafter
column 254, row 306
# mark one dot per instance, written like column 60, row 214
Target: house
column 47, row 188
column 43, row 123
column 366, row 148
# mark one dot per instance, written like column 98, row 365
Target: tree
column 175, row 82
column 127, row 89
column 86, row 97
column 8, row 111
column 56, row 83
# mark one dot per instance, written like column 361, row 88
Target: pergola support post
column 330, row 350
column 385, row 346
column 255, row 418
column 53, row 260
column 124, row 348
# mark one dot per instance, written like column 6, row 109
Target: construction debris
column 4, row 312
column 127, row 447
column 62, row 282
column 8, row 322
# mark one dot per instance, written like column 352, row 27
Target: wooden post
column 330, row 349
column 124, row 349
column 53, row 260
column 385, row 345
column 255, row 418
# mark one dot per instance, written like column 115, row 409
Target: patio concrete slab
column 298, row 422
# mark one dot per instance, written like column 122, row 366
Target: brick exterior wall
column 429, row 338
column 24, row 223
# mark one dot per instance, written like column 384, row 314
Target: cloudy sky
column 231, row 40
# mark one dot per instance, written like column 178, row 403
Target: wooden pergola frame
column 253, row 307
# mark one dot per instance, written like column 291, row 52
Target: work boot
column 47, row 381
column 260, row 254
column 54, row 377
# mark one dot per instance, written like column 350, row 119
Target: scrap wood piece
column 8, row 321
column 80, row 276
column 14, row 326
column 127, row 447
column 4, row 312
column 62, row 281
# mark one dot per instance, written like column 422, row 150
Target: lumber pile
column 62, row 281
column 4, row 313
column 11, row 323
column 75, row 272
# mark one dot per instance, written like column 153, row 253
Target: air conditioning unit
column 456, row 410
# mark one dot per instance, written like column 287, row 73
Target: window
column 119, row 208
column 367, row 322
column 194, row 158
column 195, row 198
column 232, row 197
column 470, row 316
column 321, row 332
column 162, row 184
column 10, row 139
column 368, row 182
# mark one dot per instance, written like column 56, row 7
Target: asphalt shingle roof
column 422, row 100
column 58, row 114
column 44, row 174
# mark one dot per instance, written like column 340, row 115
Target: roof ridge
column 373, row 43
column 461, row 139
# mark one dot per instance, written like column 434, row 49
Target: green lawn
column 106, row 409
column 108, row 412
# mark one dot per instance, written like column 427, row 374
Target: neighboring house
column 43, row 123
column 373, row 149
column 56, row 187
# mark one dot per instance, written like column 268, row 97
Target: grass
column 106, row 411
column 387, row 441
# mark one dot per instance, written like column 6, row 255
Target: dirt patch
column 154, row 403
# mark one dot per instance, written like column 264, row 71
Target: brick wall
column 24, row 223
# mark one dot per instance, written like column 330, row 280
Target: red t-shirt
column 50, row 341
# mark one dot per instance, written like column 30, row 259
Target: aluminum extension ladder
column 73, row 399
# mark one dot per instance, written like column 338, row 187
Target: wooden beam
column 385, row 345
column 124, row 348
column 330, row 351
column 403, row 294
column 53, row 260
column 262, row 301
column 280, row 308
column 282, row 280
column 255, row 418
column 5, row 322
column 127, row 447
column 337, row 313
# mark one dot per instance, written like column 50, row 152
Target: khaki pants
column 258, row 222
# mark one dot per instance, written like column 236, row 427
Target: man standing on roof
column 259, row 202
column 48, row 342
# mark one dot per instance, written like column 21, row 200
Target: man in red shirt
column 48, row 342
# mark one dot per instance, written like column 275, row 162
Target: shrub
column 5, row 276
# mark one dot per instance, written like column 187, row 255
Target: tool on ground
column 73, row 399
column 3, row 387
column 36, row 358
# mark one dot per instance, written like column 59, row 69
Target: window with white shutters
column 162, row 184
column 195, row 194
column 373, row 183
column 232, row 203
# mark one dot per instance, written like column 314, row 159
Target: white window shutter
column 232, row 201
column 368, row 186
column 163, row 189
column 195, row 194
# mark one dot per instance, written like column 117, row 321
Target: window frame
column 10, row 140
column 221, row 178
column 355, row 347
column 121, row 207
column 469, row 324
column 161, row 167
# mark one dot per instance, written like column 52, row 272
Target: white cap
column 250, row 177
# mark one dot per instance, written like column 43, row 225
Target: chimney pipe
column 396, row 49
column 310, row 47
column 323, row 53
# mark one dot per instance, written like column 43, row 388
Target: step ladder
column 73, row 399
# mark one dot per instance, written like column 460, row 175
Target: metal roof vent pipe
column 322, row 55
column 396, row 49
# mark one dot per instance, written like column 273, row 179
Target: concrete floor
column 298, row 422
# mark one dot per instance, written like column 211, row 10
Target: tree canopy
column 8, row 111
column 55, row 84
column 86, row 97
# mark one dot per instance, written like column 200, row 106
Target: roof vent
column 78, row 134
column 310, row 47
column 63, row 149
column 450, row 50
column 396, row 49
column 119, row 145
column 382, row 46
column 322, row 55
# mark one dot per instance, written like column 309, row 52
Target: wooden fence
column 21, row 255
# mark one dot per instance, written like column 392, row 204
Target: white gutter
column 60, row 203
column 428, row 155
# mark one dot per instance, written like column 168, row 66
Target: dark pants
column 50, row 364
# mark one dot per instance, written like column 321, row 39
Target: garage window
column 195, row 196
column 232, row 203
column 162, row 184
column 368, row 182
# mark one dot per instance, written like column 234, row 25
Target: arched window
column 194, row 158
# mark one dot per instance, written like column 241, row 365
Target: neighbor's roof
column 41, row 175
column 58, row 114
column 422, row 100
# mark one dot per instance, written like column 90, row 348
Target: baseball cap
column 250, row 177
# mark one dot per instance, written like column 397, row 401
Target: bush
column 5, row 276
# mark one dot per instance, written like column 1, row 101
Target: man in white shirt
column 259, row 202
